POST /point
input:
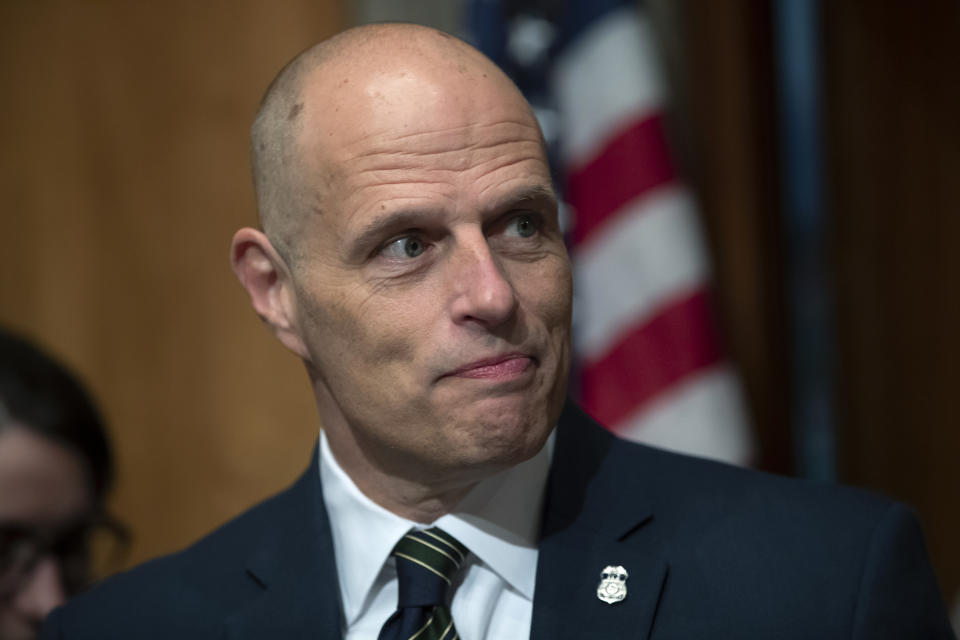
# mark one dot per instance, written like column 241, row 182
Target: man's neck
column 423, row 498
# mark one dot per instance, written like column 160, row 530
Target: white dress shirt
column 499, row 521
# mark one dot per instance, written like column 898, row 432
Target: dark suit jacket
column 712, row 551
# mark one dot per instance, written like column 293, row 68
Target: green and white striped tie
column 427, row 561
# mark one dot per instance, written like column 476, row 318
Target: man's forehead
column 403, row 118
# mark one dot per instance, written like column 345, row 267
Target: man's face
column 433, row 298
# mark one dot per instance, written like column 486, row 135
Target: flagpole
column 797, row 35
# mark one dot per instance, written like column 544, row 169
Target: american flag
column 649, row 359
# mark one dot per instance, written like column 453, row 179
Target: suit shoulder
column 685, row 489
column 852, row 560
column 718, row 486
column 781, row 556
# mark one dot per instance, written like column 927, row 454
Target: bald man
column 409, row 253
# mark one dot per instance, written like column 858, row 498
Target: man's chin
column 502, row 439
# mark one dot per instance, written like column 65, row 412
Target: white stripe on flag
column 604, row 80
column 703, row 416
column 650, row 254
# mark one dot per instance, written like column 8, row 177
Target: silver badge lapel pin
column 613, row 584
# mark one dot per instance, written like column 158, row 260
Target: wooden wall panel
column 123, row 173
column 894, row 134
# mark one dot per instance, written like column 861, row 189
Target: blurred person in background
column 55, row 470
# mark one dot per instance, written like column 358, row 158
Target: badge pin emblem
column 613, row 584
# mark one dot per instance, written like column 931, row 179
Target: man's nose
column 41, row 591
column 483, row 293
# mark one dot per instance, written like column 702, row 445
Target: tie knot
column 426, row 560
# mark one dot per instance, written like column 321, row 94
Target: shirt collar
column 499, row 521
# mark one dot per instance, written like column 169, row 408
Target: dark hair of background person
column 40, row 395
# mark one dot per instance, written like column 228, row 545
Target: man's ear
column 267, row 279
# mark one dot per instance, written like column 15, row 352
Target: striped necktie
column 426, row 563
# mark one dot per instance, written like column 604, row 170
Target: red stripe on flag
column 634, row 161
column 674, row 344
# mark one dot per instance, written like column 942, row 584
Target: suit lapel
column 594, row 517
column 295, row 567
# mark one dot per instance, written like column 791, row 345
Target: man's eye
column 405, row 247
column 524, row 226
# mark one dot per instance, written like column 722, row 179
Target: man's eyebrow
column 534, row 194
column 393, row 221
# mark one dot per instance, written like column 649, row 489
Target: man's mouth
column 504, row 367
